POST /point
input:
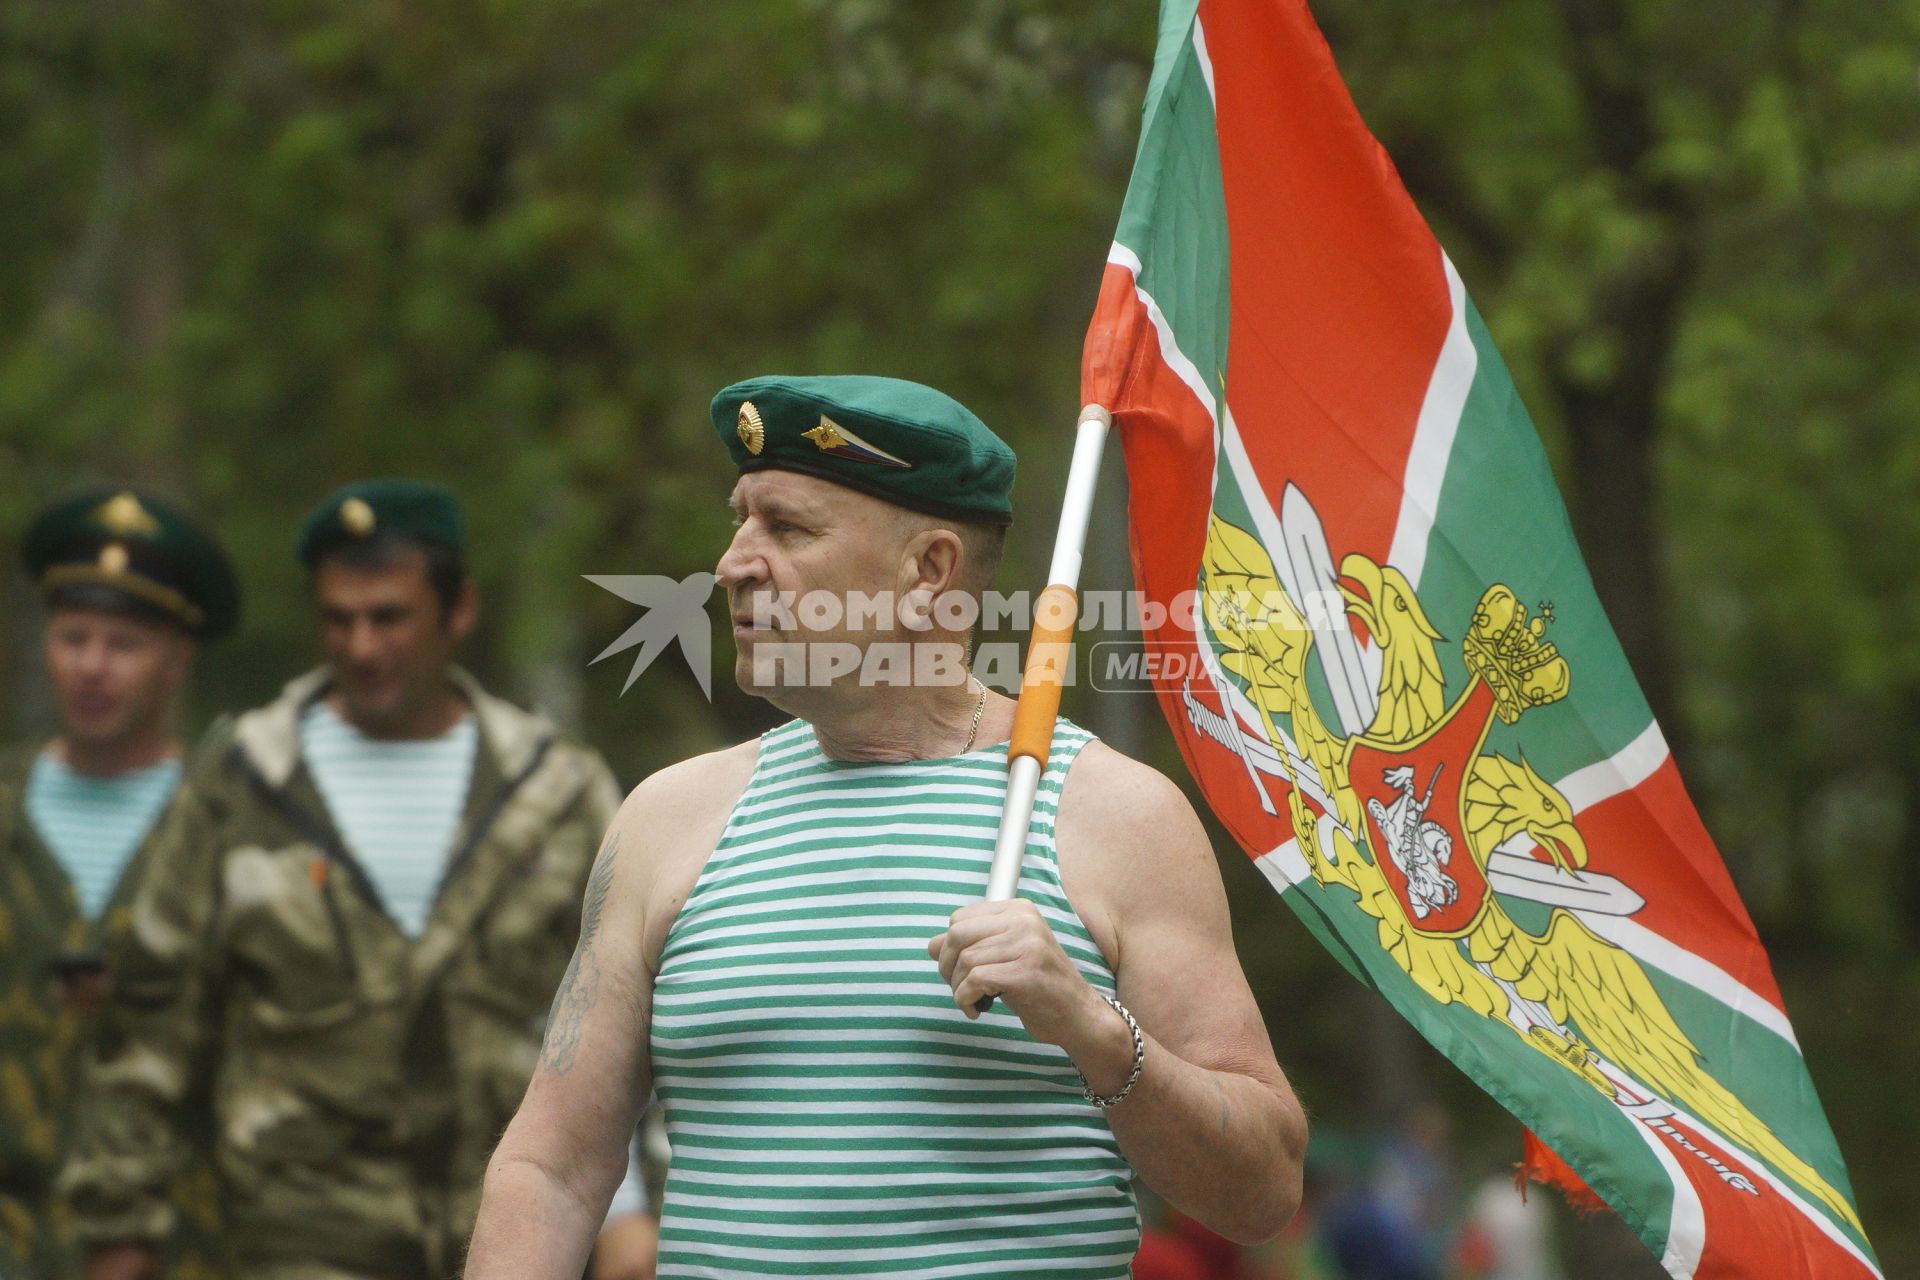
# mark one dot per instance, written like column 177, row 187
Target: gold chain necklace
column 978, row 707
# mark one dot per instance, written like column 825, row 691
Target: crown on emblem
column 1510, row 652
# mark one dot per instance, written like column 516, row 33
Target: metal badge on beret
column 113, row 559
column 122, row 514
column 831, row 437
column 357, row 517
column 753, row 432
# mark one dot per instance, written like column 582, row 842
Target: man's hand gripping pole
column 1048, row 655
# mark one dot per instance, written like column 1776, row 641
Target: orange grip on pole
column 1048, row 654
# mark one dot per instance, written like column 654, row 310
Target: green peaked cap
column 128, row 542
column 906, row 443
column 415, row 509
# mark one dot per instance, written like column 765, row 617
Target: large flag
column 1395, row 683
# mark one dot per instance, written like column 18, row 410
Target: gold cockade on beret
column 753, row 432
column 357, row 517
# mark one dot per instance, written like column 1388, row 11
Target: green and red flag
column 1384, row 660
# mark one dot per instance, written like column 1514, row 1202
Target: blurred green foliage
column 253, row 250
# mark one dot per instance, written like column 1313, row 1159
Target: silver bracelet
column 1139, row 1061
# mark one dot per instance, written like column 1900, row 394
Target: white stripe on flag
column 1183, row 368
column 1651, row 948
column 1285, row 867
column 1200, row 53
column 1686, row 1216
column 1788, row 1191
column 1433, row 435
column 1618, row 774
column 1622, row 771
column 1266, row 524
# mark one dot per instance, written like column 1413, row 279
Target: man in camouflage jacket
column 359, row 1076
column 132, row 586
column 44, row 1023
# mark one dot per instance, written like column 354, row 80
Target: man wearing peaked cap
column 792, row 947
column 132, row 585
column 355, row 921
column 132, row 553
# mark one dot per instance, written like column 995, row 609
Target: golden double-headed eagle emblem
column 1402, row 805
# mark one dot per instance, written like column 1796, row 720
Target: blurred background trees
column 254, row 250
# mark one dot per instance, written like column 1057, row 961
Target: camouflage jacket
column 40, row 1036
column 358, row 1078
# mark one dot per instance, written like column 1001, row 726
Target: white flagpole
column 1048, row 654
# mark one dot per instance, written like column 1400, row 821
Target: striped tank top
column 832, row 1113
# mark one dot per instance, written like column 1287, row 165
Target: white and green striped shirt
column 94, row 825
column 832, row 1113
column 396, row 802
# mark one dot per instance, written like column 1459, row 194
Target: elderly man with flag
column 786, row 938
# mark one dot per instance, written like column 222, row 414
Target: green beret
column 900, row 441
column 140, row 548
column 413, row 509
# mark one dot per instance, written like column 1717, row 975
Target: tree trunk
column 1611, row 417
column 1616, row 512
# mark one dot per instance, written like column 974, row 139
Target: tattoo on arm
column 580, row 986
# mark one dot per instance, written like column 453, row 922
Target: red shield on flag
column 1415, row 824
